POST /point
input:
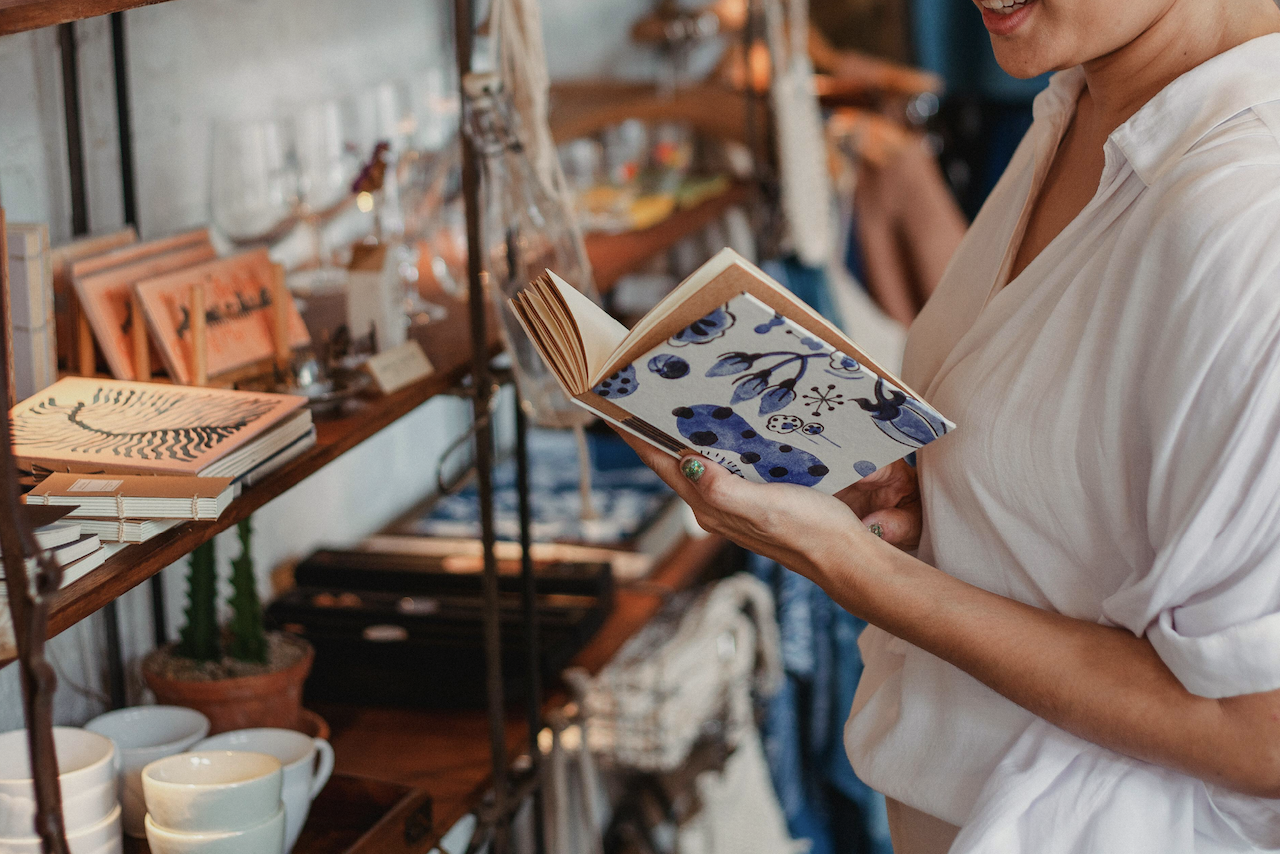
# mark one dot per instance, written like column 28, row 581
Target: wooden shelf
column 615, row 255
column 449, row 349
column 16, row 16
column 446, row 753
column 448, row 346
column 584, row 107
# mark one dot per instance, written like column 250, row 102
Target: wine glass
column 253, row 181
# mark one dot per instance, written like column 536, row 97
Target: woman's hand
column 890, row 498
column 799, row 527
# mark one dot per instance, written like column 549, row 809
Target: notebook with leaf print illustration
column 732, row 366
column 94, row 426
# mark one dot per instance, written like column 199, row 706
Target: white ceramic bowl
column 212, row 791
column 101, row 838
column 86, row 774
column 142, row 735
column 264, row 838
column 307, row 762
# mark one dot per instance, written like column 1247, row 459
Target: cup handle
column 324, row 751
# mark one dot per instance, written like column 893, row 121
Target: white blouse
column 1117, row 459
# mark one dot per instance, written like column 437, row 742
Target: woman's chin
column 1022, row 61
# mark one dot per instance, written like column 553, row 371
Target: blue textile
column 803, row 727
column 950, row 40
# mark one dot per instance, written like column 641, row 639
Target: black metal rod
column 124, row 127
column 159, row 619
column 114, row 655
column 129, row 201
column 75, row 137
column 464, row 27
column 529, row 601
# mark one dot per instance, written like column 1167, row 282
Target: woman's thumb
column 896, row 527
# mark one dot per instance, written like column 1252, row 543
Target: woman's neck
column 1189, row 33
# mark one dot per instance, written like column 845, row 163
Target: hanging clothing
column 824, row 801
column 1116, row 460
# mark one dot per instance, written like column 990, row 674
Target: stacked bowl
column 307, row 763
column 87, row 768
column 142, row 735
column 214, row 802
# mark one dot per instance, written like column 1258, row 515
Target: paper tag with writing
column 94, row 484
column 398, row 367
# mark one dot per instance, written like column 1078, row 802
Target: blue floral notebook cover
column 755, row 392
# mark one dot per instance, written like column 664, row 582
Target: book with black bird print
column 99, row 426
column 732, row 366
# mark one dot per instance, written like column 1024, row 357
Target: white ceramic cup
column 101, row 838
column 307, row 762
column 86, row 774
column 264, row 838
column 213, row 791
column 142, row 735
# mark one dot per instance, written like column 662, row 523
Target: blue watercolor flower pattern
column 720, row 428
column 803, row 395
column 762, row 328
column 773, row 376
column 620, row 383
column 902, row 418
column 669, row 366
column 844, row 366
column 705, row 330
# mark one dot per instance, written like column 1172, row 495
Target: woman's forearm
column 1100, row 683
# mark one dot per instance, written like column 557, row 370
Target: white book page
column 601, row 334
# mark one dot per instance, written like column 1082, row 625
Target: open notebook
column 732, row 366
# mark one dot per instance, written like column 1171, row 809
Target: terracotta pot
column 310, row 723
column 262, row 700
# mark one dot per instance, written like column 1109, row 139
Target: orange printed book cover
column 107, row 300
column 238, row 313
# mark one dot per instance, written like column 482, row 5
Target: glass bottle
column 524, row 231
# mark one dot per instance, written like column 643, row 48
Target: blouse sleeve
column 1210, row 408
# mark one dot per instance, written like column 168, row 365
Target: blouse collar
column 1185, row 111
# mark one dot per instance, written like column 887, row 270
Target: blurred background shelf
column 17, row 16
column 615, row 255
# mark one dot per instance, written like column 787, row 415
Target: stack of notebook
column 64, row 540
column 133, row 508
column 135, row 459
column 85, row 425
column 61, row 539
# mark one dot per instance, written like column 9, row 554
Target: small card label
column 93, row 484
column 398, row 367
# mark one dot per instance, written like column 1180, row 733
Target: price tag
column 394, row 369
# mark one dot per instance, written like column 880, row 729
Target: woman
column 1093, row 664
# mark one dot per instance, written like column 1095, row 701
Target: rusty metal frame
column 29, row 605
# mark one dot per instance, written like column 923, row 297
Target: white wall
column 33, row 171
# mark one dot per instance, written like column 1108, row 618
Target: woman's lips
column 1004, row 23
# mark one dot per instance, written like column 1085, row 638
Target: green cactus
column 248, row 641
column 199, row 637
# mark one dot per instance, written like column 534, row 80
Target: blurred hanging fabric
column 519, row 57
column 802, row 151
column 822, row 798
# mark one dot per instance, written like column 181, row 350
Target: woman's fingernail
column 692, row 469
column 875, row 528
